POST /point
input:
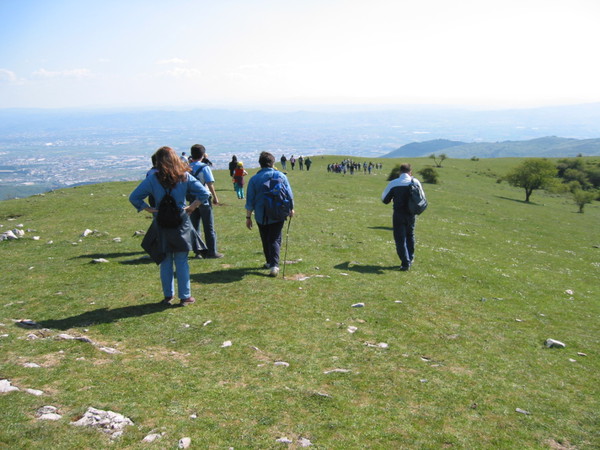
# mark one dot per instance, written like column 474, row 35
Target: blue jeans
column 205, row 213
column 182, row 271
column 404, row 235
column 270, row 235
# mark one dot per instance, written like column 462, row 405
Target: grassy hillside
column 465, row 328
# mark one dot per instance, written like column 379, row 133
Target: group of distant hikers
column 179, row 192
column 350, row 166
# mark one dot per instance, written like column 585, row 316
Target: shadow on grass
column 229, row 275
column 517, row 200
column 365, row 268
column 381, row 228
column 142, row 257
column 110, row 255
column 103, row 315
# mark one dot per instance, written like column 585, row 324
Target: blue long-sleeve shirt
column 255, row 193
column 151, row 186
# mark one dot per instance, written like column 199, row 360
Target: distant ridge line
column 549, row 146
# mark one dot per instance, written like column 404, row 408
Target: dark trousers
column 205, row 214
column 404, row 235
column 270, row 235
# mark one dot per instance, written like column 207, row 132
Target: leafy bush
column 429, row 175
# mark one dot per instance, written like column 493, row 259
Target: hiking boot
column 267, row 266
column 187, row 301
column 166, row 301
column 274, row 271
column 215, row 256
column 404, row 268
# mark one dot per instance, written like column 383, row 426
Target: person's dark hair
column 234, row 158
column 171, row 169
column 266, row 160
column 405, row 168
column 198, row 151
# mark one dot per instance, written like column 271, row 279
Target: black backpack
column 277, row 201
column 417, row 203
column 169, row 214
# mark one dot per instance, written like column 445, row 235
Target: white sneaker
column 274, row 271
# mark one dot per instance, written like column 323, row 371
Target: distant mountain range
column 541, row 147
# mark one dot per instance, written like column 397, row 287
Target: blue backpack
column 277, row 201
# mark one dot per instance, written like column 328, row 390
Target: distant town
column 41, row 150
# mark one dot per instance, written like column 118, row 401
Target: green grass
column 484, row 259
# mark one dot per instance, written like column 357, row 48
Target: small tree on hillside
column 532, row 174
column 438, row 159
column 429, row 175
column 395, row 173
column 582, row 198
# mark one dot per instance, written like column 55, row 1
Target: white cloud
column 172, row 61
column 72, row 73
column 7, row 75
column 180, row 72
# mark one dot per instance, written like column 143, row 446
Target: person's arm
column 211, row 188
column 136, row 198
column 387, row 195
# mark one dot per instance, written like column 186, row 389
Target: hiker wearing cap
column 238, row 179
column 270, row 230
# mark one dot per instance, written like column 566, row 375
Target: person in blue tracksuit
column 270, row 231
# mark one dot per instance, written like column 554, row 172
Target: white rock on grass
column 282, row 363
column 352, row 329
column 99, row 260
column 48, row 413
column 153, row 437
column 337, row 371
column 185, row 442
column 358, row 305
column 553, row 343
column 303, row 442
column 522, row 411
column 35, row 392
column 284, row 440
column 5, row 387
column 109, row 350
column 226, row 344
column 86, row 232
column 107, row 421
column 32, row 365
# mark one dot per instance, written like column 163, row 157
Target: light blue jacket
column 255, row 192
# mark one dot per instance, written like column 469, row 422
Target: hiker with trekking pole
column 269, row 196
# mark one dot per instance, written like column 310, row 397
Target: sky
column 224, row 53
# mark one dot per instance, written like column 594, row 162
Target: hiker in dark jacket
column 168, row 246
column 403, row 221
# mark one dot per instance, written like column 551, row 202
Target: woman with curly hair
column 171, row 246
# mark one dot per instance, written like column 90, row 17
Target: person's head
column 171, row 168
column 240, row 164
column 234, row 158
column 198, row 151
column 266, row 160
column 405, row 168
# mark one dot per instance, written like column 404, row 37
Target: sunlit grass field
column 493, row 278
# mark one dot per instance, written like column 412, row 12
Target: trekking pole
column 287, row 235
